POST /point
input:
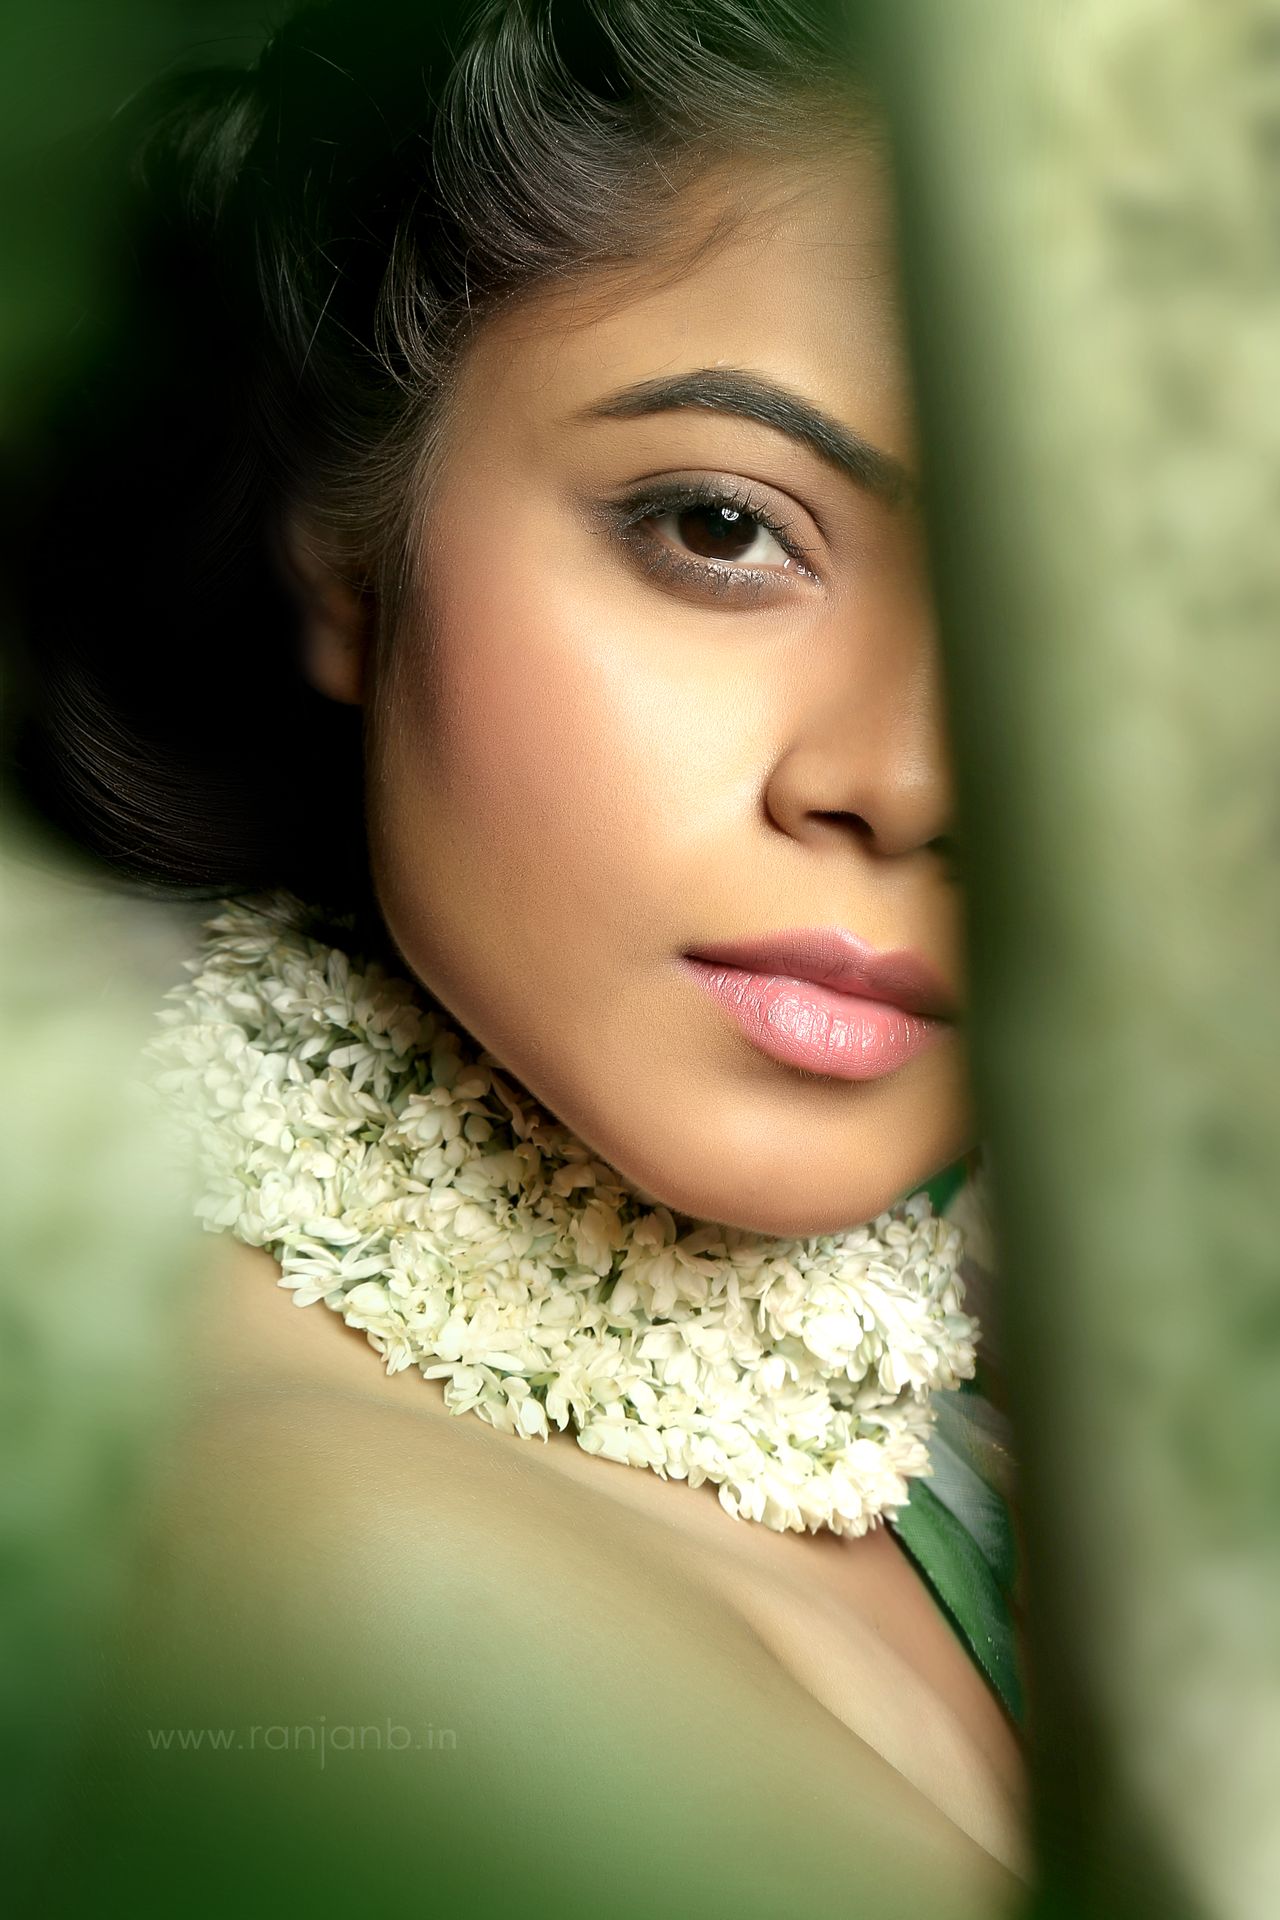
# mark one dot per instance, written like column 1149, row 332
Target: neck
column 403, row 1178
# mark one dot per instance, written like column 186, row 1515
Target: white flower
column 399, row 1176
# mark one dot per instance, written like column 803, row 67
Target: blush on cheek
column 487, row 809
column 550, row 718
column 512, row 739
column 500, row 681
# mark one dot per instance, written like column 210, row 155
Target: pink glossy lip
column 822, row 999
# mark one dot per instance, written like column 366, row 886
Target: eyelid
column 663, row 497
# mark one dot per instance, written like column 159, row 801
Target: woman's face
column 668, row 683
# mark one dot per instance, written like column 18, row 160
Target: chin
column 769, row 1205
column 724, row 1164
column 783, row 1222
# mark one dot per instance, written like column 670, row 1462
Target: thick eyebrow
column 753, row 396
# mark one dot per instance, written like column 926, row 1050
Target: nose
column 868, row 755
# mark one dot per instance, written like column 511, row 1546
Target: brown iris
column 718, row 532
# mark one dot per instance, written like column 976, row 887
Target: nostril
column 862, row 827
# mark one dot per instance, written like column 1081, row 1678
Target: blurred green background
column 65, row 65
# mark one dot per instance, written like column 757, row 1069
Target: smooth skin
column 657, row 1708
column 579, row 765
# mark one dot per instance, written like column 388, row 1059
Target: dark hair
column 309, row 243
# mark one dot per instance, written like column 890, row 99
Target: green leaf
column 965, row 1586
column 944, row 1186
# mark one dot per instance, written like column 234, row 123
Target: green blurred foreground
column 1091, row 208
column 1091, row 221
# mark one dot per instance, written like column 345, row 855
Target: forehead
column 786, row 268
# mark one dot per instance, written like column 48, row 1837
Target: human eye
column 712, row 535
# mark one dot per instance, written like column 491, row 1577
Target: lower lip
column 803, row 1025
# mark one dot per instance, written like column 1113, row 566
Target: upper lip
column 833, row 957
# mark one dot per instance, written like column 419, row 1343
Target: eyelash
column 721, row 576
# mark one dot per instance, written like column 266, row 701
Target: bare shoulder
column 318, row 1556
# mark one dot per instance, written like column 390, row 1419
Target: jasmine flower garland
column 396, row 1173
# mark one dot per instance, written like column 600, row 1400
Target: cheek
column 563, row 737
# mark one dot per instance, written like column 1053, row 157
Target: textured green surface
column 1090, row 211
